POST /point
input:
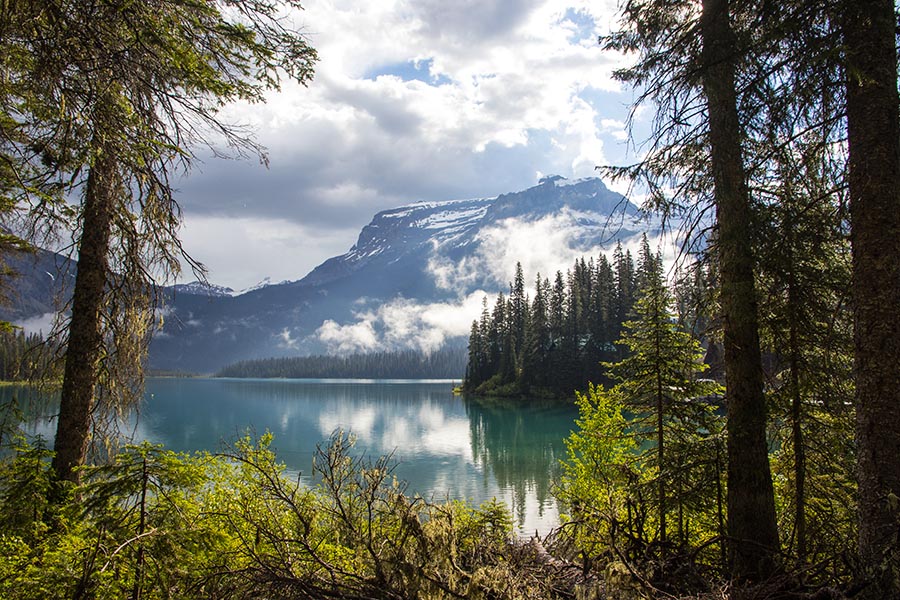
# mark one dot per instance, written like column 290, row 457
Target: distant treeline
column 447, row 363
column 25, row 357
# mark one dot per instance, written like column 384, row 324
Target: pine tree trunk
column 873, row 128
column 85, row 337
column 797, row 435
column 660, row 441
column 752, row 526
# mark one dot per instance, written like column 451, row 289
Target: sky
column 412, row 100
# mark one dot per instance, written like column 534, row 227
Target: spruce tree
column 690, row 61
column 751, row 502
column 537, row 341
column 658, row 380
column 873, row 141
column 518, row 309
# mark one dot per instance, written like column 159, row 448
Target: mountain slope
column 44, row 279
column 414, row 279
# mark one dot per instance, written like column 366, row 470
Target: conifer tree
column 659, row 382
column 751, row 501
column 873, row 141
column 690, row 61
column 476, row 365
column 497, row 334
column 605, row 304
column 537, row 341
column 624, row 278
column 120, row 94
column 804, row 278
column 518, row 310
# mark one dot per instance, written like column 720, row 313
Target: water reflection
column 522, row 442
column 37, row 407
column 445, row 446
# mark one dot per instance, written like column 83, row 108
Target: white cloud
column 347, row 339
column 615, row 128
column 286, row 340
column 242, row 252
column 543, row 246
column 403, row 324
column 41, row 324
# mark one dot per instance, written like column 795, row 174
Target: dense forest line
column 446, row 363
column 25, row 357
column 559, row 341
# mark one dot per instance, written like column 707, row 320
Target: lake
column 444, row 445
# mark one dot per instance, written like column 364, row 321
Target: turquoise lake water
column 443, row 445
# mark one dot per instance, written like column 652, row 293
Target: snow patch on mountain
column 266, row 282
column 202, row 288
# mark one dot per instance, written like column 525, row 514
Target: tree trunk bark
column 85, row 332
column 752, row 526
column 660, row 439
column 873, row 130
column 797, row 436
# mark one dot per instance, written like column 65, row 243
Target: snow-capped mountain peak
column 422, row 227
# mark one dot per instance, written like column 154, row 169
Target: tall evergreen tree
column 605, row 294
column 752, row 524
column 805, row 278
column 518, row 310
column 659, row 383
column 475, row 367
column 873, row 140
column 537, row 341
column 688, row 58
column 125, row 91
column 498, row 331
column 625, row 287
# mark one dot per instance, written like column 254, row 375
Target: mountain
column 33, row 296
column 414, row 279
column 201, row 288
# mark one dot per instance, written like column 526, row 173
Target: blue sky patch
column 584, row 25
column 418, row 70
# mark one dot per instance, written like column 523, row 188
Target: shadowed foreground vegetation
column 152, row 523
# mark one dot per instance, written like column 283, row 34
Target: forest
column 775, row 141
column 446, row 363
column 25, row 357
column 561, row 340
